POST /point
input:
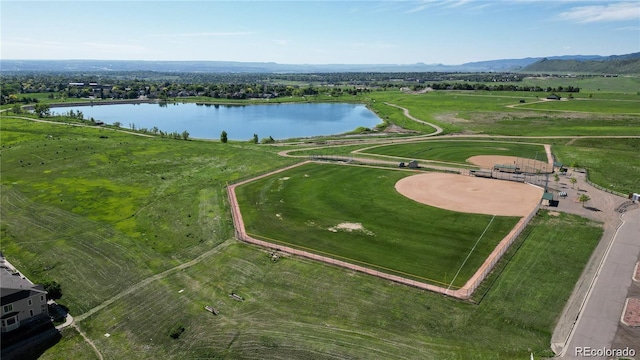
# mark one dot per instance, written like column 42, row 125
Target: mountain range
column 619, row 64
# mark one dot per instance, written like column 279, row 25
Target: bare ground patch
column 470, row 194
column 631, row 316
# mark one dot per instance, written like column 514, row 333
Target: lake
column 280, row 121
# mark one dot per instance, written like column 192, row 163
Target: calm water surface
column 280, row 121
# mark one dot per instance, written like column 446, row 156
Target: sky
column 447, row 32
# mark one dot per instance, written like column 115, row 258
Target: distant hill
column 620, row 64
column 207, row 66
column 616, row 64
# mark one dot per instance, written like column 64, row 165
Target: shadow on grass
column 29, row 341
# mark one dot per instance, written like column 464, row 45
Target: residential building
column 21, row 301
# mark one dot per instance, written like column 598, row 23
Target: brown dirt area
column 631, row 315
column 470, row 194
column 527, row 165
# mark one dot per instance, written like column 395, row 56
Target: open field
column 130, row 208
column 612, row 163
column 589, row 105
column 474, row 113
column 595, row 85
column 81, row 208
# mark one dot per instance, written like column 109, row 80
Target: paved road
column 599, row 320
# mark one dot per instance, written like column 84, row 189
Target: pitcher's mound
column 471, row 194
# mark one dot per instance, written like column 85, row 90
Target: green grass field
column 303, row 206
column 487, row 113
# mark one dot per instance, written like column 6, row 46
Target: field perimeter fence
column 489, row 264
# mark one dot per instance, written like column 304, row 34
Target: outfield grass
column 458, row 150
column 301, row 206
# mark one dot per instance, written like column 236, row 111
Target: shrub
column 176, row 331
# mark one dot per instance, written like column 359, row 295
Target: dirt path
column 407, row 114
column 91, row 343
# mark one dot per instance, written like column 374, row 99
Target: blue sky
column 317, row 32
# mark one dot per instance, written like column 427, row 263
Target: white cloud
column 422, row 5
column 622, row 11
column 281, row 42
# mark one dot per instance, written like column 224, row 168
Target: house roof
column 9, row 315
column 14, row 287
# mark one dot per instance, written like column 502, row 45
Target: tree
column 223, row 136
column 255, row 138
column 117, row 124
column 16, row 109
column 42, row 110
column 556, row 178
column 185, row 135
column 573, row 181
column 54, row 290
column 583, row 199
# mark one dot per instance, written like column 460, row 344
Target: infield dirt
column 471, row 194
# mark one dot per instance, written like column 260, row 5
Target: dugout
column 547, row 199
column 482, row 173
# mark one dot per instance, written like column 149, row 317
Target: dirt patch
column 450, row 118
column 471, row 194
column 350, row 227
column 631, row 316
column 395, row 129
column 554, row 213
column 525, row 165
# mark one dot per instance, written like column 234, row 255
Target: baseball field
column 432, row 227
